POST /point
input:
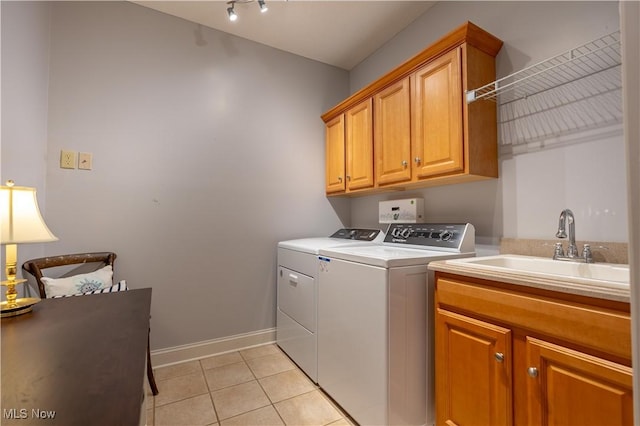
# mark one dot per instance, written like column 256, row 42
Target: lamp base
column 21, row 306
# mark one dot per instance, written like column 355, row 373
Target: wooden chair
column 86, row 262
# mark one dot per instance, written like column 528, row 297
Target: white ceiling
column 340, row 33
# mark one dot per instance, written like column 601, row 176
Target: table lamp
column 21, row 222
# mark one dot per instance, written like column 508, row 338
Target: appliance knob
column 406, row 233
column 395, row 233
column 446, row 235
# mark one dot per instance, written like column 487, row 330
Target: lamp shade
column 20, row 217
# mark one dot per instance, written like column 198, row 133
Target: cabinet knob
column 499, row 356
column 404, row 163
column 532, row 372
column 348, row 177
column 417, row 160
column 339, row 178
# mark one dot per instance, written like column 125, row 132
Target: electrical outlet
column 67, row 159
column 85, row 161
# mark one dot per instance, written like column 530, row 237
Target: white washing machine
column 296, row 317
column 375, row 322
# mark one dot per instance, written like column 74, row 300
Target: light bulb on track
column 232, row 13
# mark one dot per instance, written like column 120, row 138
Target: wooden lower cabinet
column 567, row 387
column 473, row 364
column 506, row 357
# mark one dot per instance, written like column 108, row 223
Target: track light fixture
column 232, row 13
column 231, row 9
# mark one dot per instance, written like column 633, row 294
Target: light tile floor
column 257, row 386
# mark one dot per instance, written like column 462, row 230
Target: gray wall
column 25, row 79
column 587, row 176
column 207, row 150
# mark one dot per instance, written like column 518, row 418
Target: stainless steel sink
column 597, row 274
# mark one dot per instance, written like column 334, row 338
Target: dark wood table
column 76, row 361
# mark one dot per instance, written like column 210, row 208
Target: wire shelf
column 590, row 102
column 576, row 91
column 591, row 58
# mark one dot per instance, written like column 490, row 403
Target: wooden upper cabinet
column 392, row 133
column 437, row 136
column 335, row 176
column 359, row 146
column 423, row 132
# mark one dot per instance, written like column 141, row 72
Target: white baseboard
column 177, row 354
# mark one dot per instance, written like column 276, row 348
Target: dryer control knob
column 406, row 233
column 446, row 235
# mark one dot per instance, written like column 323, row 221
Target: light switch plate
column 85, row 161
column 67, row 159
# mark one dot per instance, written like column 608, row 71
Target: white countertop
column 485, row 268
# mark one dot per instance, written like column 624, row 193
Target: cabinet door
column 334, row 174
column 567, row 387
column 473, row 371
column 359, row 127
column 437, row 136
column 392, row 133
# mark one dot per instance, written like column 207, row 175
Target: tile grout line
column 270, row 400
column 255, row 378
column 244, row 358
column 263, row 390
column 215, row 410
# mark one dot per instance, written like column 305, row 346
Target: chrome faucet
column 566, row 215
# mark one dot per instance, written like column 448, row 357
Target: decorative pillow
column 81, row 283
column 121, row 286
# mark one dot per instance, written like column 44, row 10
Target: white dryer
column 375, row 322
column 296, row 316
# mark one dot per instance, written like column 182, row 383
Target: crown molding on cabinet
column 467, row 33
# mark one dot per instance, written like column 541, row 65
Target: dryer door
column 296, row 297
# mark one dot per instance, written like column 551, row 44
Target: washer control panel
column 457, row 236
column 356, row 234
